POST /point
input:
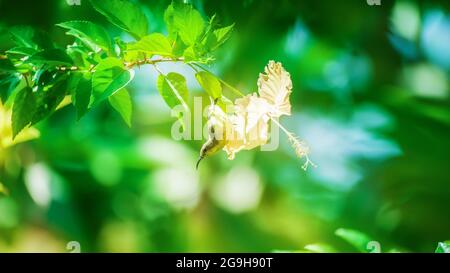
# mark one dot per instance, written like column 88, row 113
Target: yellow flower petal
column 248, row 126
column 275, row 86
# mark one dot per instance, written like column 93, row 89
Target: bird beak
column 198, row 162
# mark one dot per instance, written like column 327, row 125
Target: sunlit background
column 371, row 98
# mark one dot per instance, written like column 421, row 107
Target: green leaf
column 80, row 55
column 109, row 77
column 47, row 101
column 21, row 51
column 212, row 24
column 189, row 54
column 184, row 20
column 31, row 107
column 44, row 77
column 25, row 36
column 217, row 37
column 222, row 34
column 81, row 94
column 443, row 247
column 51, row 57
column 124, row 14
column 356, row 238
column 133, row 56
column 121, row 102
column 23, row 109
column 7, row 85
column 179, row 47
column 209, row 83
column 173, row 89
column 153, row 44
column 92, row 35
column 6, row 66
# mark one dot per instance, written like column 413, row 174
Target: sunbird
column 214, row 142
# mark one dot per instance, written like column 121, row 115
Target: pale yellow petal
column 275, row 86
column 248, row 126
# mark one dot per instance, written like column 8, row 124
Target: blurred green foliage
column 371, row 98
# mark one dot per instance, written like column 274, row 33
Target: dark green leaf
column 21, row 51
column 173, row 89
column 109, row 77
column 153, row 44
column 92, row 35
column 44, row 77
column 124, row 14
column 25, row 36
column 31, row 107
column 6, row 66
column 81, row 94
column 23, row 110
column 121, row 102
column 210, row 84
column 51, row 57
column 7, row 85
column 47, row 101
column 184, row 20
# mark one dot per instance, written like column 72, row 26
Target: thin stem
column 150, row 61
column 128, row 65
